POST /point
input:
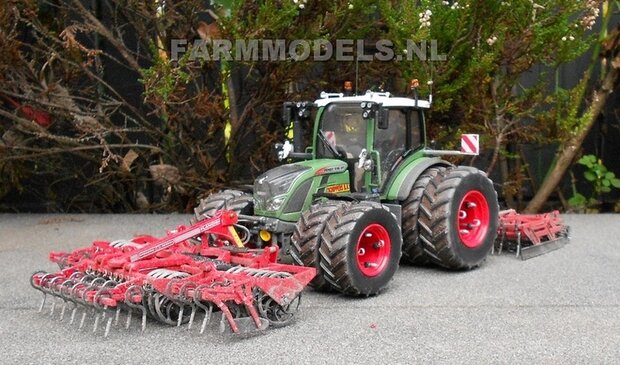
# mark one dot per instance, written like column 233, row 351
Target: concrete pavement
column 560, row 308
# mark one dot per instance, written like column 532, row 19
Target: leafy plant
column 601, row 179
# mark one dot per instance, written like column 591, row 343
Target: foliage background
column 95, row 118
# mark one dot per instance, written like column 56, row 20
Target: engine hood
column 286, row 189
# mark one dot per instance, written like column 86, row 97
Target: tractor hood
column 286, row 189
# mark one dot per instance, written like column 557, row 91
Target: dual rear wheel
column 457, row 218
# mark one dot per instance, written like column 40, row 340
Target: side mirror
column 382, row 117
column 288, row 108
column 284, row 149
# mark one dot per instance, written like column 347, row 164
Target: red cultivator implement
column 203, row 268
column 530, row 235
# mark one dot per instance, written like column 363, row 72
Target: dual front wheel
column 355, row 247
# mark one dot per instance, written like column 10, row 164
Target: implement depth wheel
column 458, row 218
column 361, row 248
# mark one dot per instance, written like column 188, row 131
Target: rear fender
column 401, row 183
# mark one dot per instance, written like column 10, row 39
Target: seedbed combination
column 366, row 195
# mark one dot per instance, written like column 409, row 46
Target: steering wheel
column 393, row 156
column 341, row 151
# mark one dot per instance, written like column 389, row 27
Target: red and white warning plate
column 470, row 144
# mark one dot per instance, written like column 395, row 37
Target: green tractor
column 366, row 195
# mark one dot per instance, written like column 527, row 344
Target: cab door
column 401, row 136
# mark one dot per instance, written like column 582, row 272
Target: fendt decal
column 330, row 170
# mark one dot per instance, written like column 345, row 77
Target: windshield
column 344, row 130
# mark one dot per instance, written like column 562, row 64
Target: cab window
column 403, row 134
column 344, row 128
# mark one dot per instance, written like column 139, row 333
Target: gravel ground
column 560, row 308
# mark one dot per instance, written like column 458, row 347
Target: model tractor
column 364, row 193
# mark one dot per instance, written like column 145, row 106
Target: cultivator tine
column 107, row 327
column 39, row 287
column 42, row 303
column 128, row 321
column 243, row 325
column 180, row 319
column 143, row 320
column 206, row 319
column 117, row 315
column 183, row 300
column 208, row 308
column 83, row 319
column 62, row 311
column 52, row 309
column 52, row 287
column 108, row 320
column 191, row 318
column 227, row 317
column 134, row 293
column 96, row 324
column 73, row 312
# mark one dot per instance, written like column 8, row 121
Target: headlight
column 275, row 203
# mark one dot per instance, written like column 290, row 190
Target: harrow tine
column 52, row 309
column 77, row 300
column 128, row 321
column 191, row 318
column 42, row 303
column 129, row 301
column 117, row 315
column 143, row 319
column 73, row 312
column 63, row 292
column 83, row 319
column 104, row 311
column 107, row 327
column 62, row 311
column 180, row 319
column 206, row 319
column 53, row 292
column 40, row 287
column 185, row 300
column 96, row 324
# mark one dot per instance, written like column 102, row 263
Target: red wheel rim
column 473, row 219
column 372, row 252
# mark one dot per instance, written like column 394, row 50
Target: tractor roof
column 384, row 98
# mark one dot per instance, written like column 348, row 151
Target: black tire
column 306, row 239
column 236, row 200
column 450, row 241
column 413, row 251
column 345, row 235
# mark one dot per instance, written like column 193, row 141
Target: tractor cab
column 372, row 133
